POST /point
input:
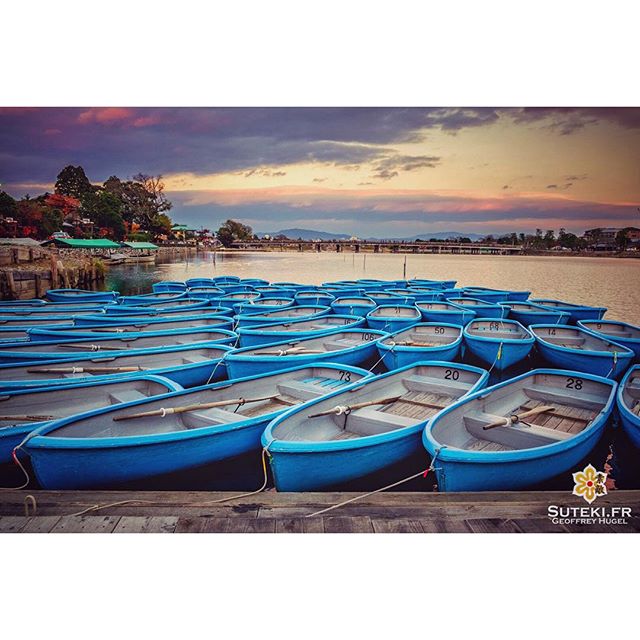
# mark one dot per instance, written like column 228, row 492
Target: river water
column 610, row 282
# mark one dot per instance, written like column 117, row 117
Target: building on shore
column 606, row 238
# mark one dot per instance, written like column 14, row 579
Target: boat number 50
column 574, row 383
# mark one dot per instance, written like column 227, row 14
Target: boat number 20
column 451, row 374
column 574, row 383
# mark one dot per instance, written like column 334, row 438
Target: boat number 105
column 574, row 383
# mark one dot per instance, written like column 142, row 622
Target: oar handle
column 517, row 417
column 27, row 418
column 86, row 369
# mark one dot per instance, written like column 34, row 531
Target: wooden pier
column 272, row 512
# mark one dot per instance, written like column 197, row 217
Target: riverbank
column 28, row 272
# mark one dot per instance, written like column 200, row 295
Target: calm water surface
column 610, row 282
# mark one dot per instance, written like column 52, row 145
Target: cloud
column 319, row 180
column 263, row 171
column 391, row 166
column 568, row 120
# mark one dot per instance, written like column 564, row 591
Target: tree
column 233, row 231
column 622, row 239
column 8, row 206
column 549, row 238
column 72, row 181
column 66, row 205
column 104, row 209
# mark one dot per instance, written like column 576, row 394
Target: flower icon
column 589, row 483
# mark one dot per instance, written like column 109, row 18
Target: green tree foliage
column 72, row 181
column 234, row 231
column 104, row 209
column 8, row 206
column 622, row 239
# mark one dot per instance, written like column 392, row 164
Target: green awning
column 92, row 243
column 140, row 245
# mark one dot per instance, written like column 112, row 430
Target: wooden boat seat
column 423, row 383
column 369, row 421
column 517, row 436
column 337, row 345
column 300, row 390
column 127, row 395
column 563, row 397
column 498, row 335
column 194, row 359
column 195, row 419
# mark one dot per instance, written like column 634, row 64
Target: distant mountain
column 310, row 234
column 306, row 234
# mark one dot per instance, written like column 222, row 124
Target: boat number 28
column 574, row 383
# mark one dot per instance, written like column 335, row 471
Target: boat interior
column 333, row 342
column 65, row 402
column 498, row 329
column 613, row 329
column 574, row 338
column 566, row 406
column 261, row 397
column 395, row 312
column 424, row 336
column 405, row 399
column 631, row 392
column 104, row 365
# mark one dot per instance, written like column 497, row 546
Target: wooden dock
column 272, row 512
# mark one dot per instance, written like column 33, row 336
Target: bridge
column 373, row 246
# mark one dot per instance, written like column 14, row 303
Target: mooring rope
column 424, row 473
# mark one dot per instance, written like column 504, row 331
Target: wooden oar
column 338, row 410
column 286, row 352
column 91, row 347
column 86, row 369
column 193, row 407
column 27, row 418
column 517, row 417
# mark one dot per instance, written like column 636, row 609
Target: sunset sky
column 386, row 172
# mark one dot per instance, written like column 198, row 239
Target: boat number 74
column 574, row 383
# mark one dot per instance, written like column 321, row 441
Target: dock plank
column 12, row 524
column 40, row 524
column 146, row 524
column 86, row 524
column 381, row 525
column 346, row 524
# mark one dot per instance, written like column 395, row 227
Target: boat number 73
column 574, row 383
column 345, row 375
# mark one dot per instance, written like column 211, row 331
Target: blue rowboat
column 204, row 322
column 421, row 342
column 224, row 279
column 22, row 412
column 423, row 294
column 481, row 308
column 499, row 343
column 527, row 313
column 384, row 297
column 143, row 315
column 447, row 294
column 17, row 334
column 576, row 311
column 297, row 329
column 391, row 318
column 290, row 285
column 205, row 293
column 188, row 307
column 371, row 426
column 353, row 305
column 341, row 292
column 445, row 312
column 355, row 347
column 151, row 298
column 22, row 322
column 580, row 350
column 254, row 282
column 629, row 404
column 235, row 288
column 46, row 310
column 187, row 365
column 81, row 295
column 479, row 446
column 408, row 297
column 168, row 286
column 628, row 335
column 263, row 305
column 307, row 312
column 269, row 291
column 238, row 299
column 431, row 284
column 200, row 282
column 32, row 302
column 187, row 429
column 488, row 295
column 66, row 347
column 181, row 305
column 314, row 297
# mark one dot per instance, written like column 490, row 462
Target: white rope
column 213, row 372
column 498, row 356
column 424, row 473
column 382, row 357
